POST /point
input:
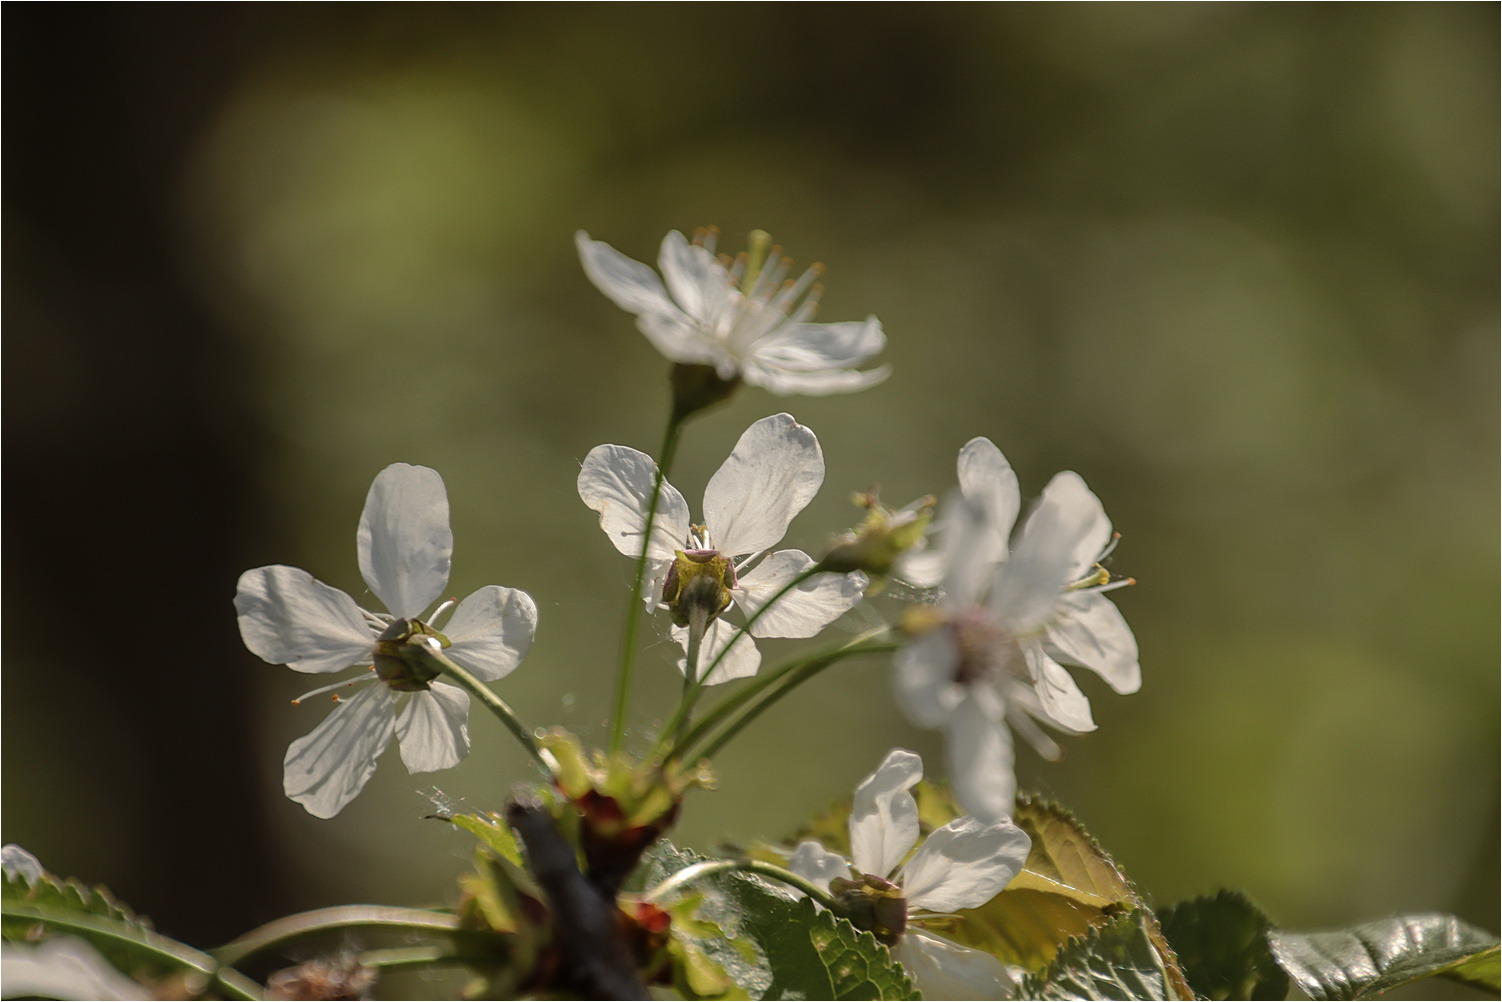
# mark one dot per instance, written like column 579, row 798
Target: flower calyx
column 698, row 585
column 404, row 655
column 698, row 387
column 620, row 806
column 882, row 537
column 872, row 903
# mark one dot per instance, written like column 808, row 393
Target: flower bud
column 623, row 806
column 884, row 535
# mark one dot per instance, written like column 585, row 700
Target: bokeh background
column 1235, row 264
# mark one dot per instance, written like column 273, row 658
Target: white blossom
column 964, row 864
column 773, row 472
column 1011, row 613
column 62, row 967
column 288, row 617
column 708, row 314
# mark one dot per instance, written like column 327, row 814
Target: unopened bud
column 884, row 535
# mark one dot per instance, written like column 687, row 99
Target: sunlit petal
column 326, row 769
column 774, row 470
column 287, row 617
column 404, row 540
column 884, row 815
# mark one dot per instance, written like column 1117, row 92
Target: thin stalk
column 713, row 866
column 495, row 704
column 767, row 680
column 682, row 715
column 418, row 956
column 634, row 602
column 793, row 680
column 229, row 981
column 698, row 622
column 304, row 925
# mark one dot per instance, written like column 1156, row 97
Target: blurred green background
column 1236, row 265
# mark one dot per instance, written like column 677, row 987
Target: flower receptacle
column 404, row 655
column 699, row 582
column 872, row 903
column 698, row 387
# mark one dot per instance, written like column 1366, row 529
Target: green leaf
column 815, row 955
column 1366, row 960
column 1221, row 943
column 1117, row 960
column 778, row 946
column 32, row 909
column 1067, row 887
column 493, row 830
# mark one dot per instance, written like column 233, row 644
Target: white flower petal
column 1090, row 632
column 964, row 864
column 492, row 631
column 987, row 477
column 772, row 473
column 1061, row 698
column 433, row 730
column 970, row 553
column 1026, row 590
column 813, row 863
column 404, row 540
column 742, row 660
column 923, row 676
column 922, row 566
column 629, row 284
column 679, row 340
column 62, row 967
column 946, row 970
column 17, row 862
column 696, row 280
column 819, row 347
column 811, row 384
column 1085, row 519
column 616, row 481
column 805, row 610
column 978, row 752
column 325, row 770
column 287, row 617
column 884, row 815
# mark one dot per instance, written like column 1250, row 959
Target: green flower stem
column 304, row 925
column 418, row 956
column 495, row 704
column 634, row 602
column 229, row 981
column 712, row 866
column 784, row 678
column 692, row 677
column 691, row 692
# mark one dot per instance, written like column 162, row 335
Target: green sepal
column 1366, row 960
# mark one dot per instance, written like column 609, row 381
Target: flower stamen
column 365, row 677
